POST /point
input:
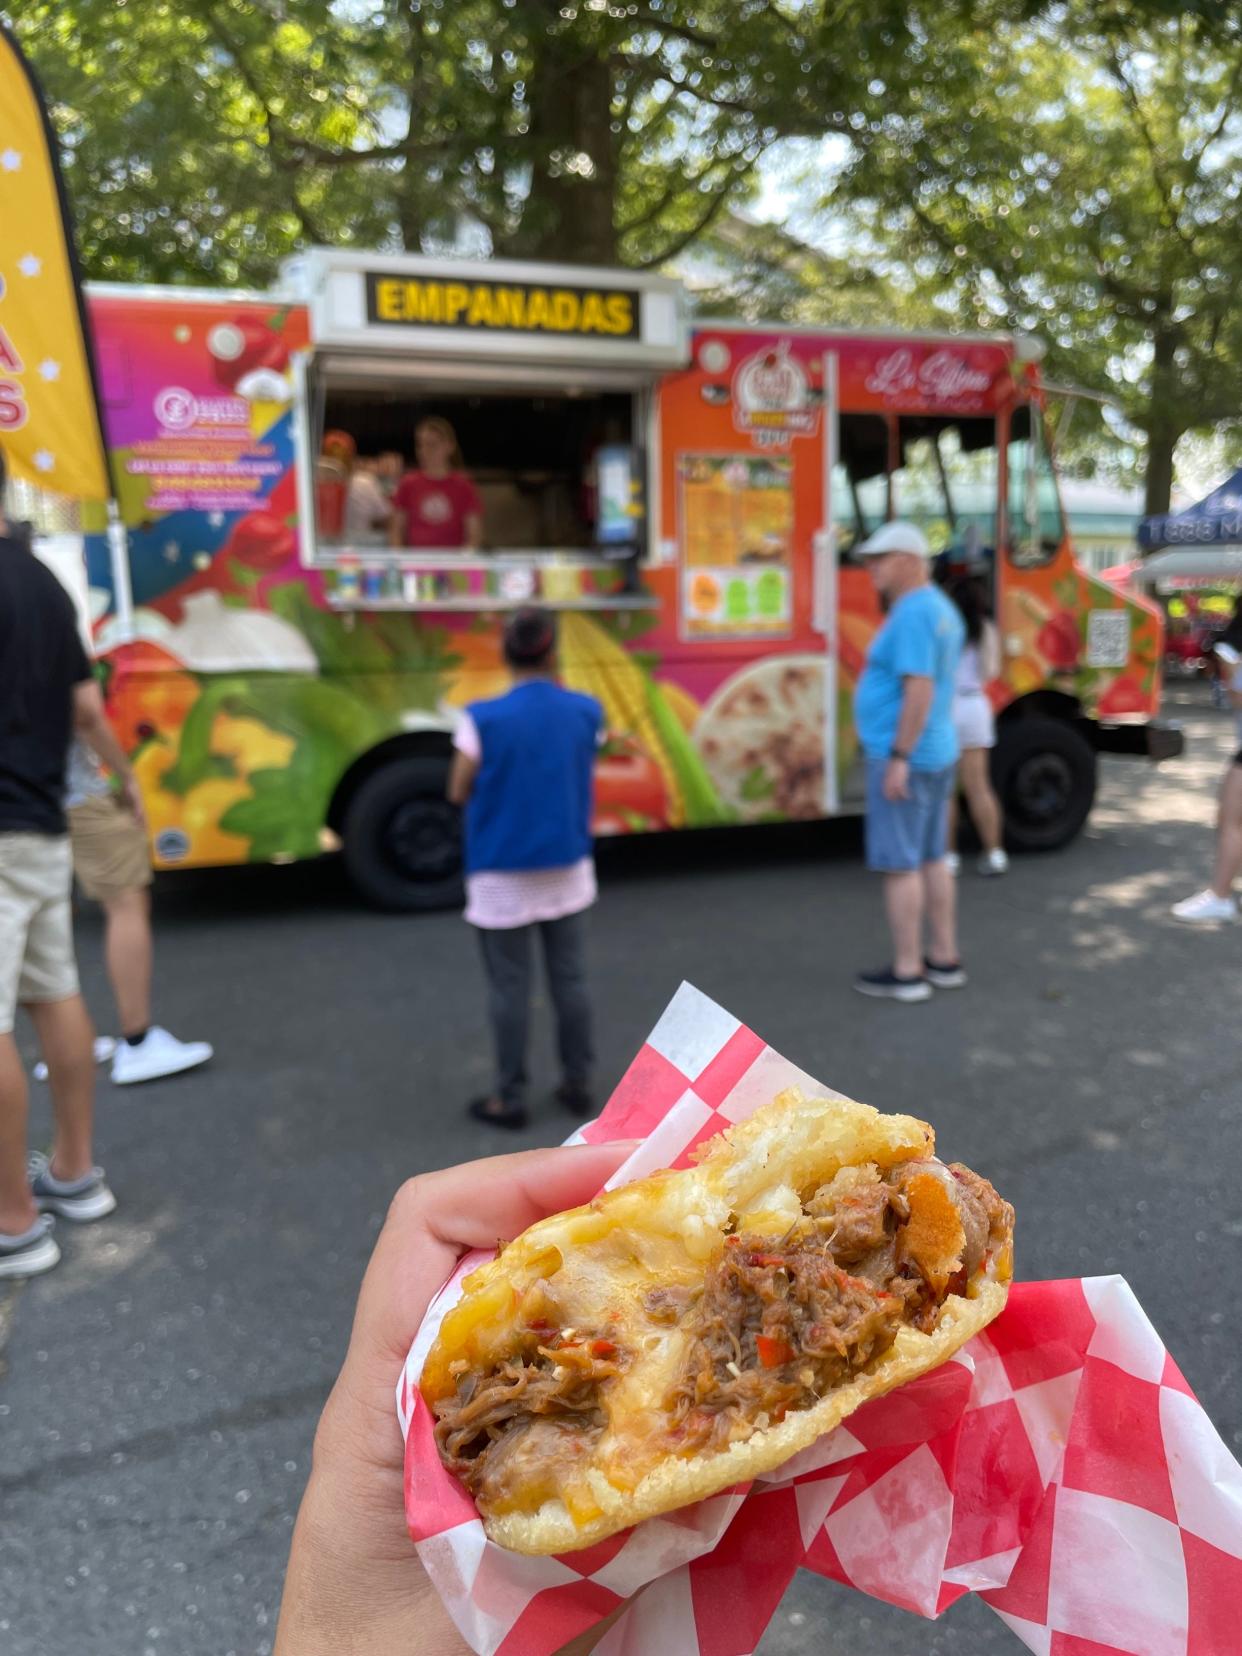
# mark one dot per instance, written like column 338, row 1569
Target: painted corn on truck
column 286, row 668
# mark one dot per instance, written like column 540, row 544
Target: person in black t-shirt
column 46, row 693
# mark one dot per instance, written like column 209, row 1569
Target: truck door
column 745, row 443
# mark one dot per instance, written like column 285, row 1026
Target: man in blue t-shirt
column 903, row 714
column 523, row 770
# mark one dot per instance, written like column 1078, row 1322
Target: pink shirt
column 500, row 900
column 436, row 508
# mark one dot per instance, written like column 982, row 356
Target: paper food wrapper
column 1059, row 1465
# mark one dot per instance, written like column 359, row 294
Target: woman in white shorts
column 976, row 728
column 1217, row 901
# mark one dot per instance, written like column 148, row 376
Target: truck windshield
column 936, row 471
column 1036, row 526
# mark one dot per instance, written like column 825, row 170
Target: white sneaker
column 994, row 862
column 105, row 1046
column 953, row 862
column 158, row 1053
column 1205, row 906
column 30, row 1253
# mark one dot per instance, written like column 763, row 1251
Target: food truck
column 684, row 494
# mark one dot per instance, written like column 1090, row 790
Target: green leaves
column 324, row 717
column 757, row 785
column 1075, row 180
column 287, row 807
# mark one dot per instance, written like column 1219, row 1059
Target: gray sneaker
column 81, row 1199
column 30, row 1253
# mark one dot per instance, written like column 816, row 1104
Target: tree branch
column 679, row 186
column 1131, row 96
column 705, row 219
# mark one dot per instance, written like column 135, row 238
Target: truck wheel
column 1043, row 771
column 402, row 838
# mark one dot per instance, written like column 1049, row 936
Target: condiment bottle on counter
column 373, row 581
column 409, row 584
column 347, row 587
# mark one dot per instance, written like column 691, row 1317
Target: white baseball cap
column 896, row 537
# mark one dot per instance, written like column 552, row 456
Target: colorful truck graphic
column 684, row 498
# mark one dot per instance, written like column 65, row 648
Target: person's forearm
column 915, row 706
column 98, row 735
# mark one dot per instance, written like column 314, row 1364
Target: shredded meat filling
column 558, row 1384
column 779, row 1323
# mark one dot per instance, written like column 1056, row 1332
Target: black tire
column 402, row 838
column 1043, row 771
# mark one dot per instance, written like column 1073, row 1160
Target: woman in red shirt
column 436, row 505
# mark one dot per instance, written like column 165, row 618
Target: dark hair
column 530, row 638
column 970, row 596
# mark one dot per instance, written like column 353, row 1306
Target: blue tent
column 1216, row 520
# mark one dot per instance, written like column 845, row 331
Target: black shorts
column 1237, row 758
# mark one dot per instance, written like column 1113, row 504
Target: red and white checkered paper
column 1059, row 1466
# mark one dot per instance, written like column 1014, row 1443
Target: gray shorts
column 903, row 834
column 36, row 927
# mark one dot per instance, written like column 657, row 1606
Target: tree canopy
column 1068, row 167
column 1081, row 182
column 207, row 139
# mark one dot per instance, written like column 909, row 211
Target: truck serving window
column 527, row 462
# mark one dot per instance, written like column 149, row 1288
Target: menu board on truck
column 736, row 529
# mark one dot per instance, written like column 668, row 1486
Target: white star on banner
column 44, row 461
column 29, row 265
column 216, row 520
column 11, row 160
column 48, row 369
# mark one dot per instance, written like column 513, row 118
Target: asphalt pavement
column 159, row 1390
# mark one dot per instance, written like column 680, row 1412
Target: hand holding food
column 353, row 1583
column 693, row 1330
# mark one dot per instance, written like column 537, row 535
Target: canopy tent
column 1216, row 520
column 1197, row 566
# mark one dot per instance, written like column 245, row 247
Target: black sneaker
column 572, row 1096
column 886, row 985
column 950, row 974
column 496, row 1113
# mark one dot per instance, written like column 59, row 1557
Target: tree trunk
column 569, row 213
column 1163, row 428
column 1158, row 480
column 410, row 207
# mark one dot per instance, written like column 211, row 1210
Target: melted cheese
column 591, row 1269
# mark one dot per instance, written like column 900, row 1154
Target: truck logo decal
column 944, row 375
column 772, row 398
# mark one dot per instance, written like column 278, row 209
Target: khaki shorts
column 36, row 930
column 110, row 853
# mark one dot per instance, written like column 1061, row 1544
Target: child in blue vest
column 523, row 770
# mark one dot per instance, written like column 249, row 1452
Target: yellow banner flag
column 49, row 416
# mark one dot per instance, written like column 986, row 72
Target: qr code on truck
column 1108, row 638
